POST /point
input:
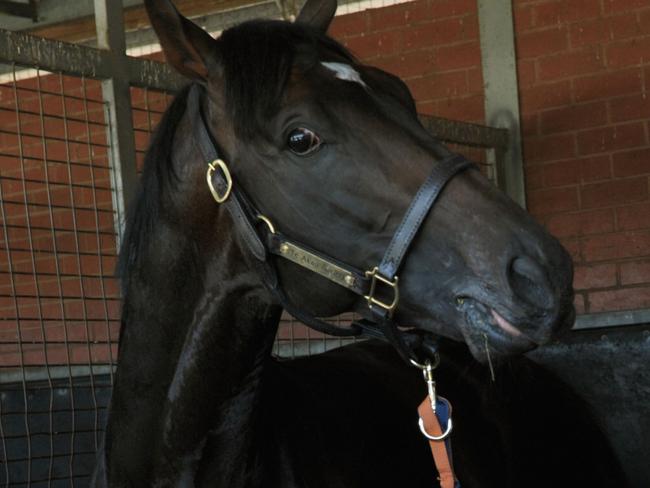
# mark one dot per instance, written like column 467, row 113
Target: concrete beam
column 501, row 88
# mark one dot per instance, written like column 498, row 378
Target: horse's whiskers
column 489, row 358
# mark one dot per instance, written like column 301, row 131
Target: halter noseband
column 382, row 280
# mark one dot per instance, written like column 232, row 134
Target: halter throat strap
column 378, row 286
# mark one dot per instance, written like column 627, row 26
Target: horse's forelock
column 258, row 58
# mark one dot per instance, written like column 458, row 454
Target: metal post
column 502, row 91
column 116, row 91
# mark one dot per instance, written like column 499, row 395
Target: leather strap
column 418, row 210
column 208, row 148
column 441, row 450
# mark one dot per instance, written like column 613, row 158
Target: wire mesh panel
column 59, row 304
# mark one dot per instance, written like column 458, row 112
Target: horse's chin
column 489, row 335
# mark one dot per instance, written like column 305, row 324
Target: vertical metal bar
column 502, row 90
column 2, row 431
column 21, row 155
column 65, row 325
column 19, row 336
column 58, row 274
column 116, row 91
column 99, row 257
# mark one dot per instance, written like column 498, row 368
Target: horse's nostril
column 530, row 283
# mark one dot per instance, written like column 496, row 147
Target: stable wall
column 584, row 73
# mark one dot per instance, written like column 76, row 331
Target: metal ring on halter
column 267, row 221
column 427, row 365
column 212, row 167
column 441, row 437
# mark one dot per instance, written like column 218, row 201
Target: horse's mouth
column 488, row 333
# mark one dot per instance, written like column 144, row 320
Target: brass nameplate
column 317, row 264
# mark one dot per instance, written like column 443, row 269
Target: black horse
column 331, row 153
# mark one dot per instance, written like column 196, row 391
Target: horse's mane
column 257, row 58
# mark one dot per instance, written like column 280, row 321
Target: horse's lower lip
column 505, row 325
column 485, row 326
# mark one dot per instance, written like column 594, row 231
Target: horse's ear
column 318, row 14
column 188, row 48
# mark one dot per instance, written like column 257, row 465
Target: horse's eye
column 303, row 141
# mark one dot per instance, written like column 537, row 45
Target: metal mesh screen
column 59, row 305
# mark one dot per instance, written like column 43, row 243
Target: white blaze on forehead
column 344, row 72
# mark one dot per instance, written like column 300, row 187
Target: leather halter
column 381, row 280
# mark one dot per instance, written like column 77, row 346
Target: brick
column 530, row 125
column 632, row 163
column 550, row 148
column 545, row 96
column 588, row 32
column 624, row 26
column 541, row 202
column 409, row 65
column 633, row 217
column 628, row 53
column 624, row 299
column 526, row 73
column 384, row 18
column 608, row 85
column 616, row 137
column 616, row 246
column 549, row 13
column 534, row 177
column 615, row 6
column 635, row 272
column 596, row 168
column 644, row 21
column 574, row 117
column 443, row 31
column 630, row 108
column 539, row 43
column 475, row 80
column 458, row 56
column 614, row 192
column 449, row 8
column 579, row 303
column 369, row 45
column 594, row 276
column 523, row 17
column 470, row 108
column 572, row 246
column 439, row 85
column 577, row 224
column 348, row 25
column 562, row 173
column 570, row 64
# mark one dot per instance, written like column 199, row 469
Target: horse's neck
column 196, row 334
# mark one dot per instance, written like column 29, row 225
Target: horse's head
column 331, row 151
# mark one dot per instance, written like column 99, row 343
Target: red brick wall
column 433, row 45
column 584, row 74
column 60, row 303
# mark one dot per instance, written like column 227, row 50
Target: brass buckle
column 267, row 221
column 212, row 167
column 375, row 275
